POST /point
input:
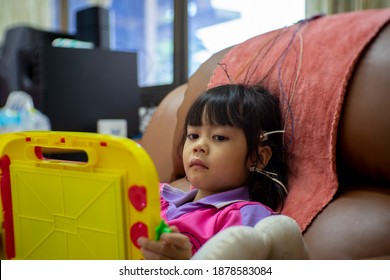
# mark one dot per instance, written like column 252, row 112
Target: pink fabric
column 204, row 218
column 314, row 74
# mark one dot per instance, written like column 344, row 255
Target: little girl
column 233, row 156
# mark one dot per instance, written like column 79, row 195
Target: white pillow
column 275, row 237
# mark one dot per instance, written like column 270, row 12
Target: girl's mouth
column 197, row 162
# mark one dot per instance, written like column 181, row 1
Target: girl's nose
column 200, row 147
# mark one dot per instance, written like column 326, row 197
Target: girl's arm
column 171, row 246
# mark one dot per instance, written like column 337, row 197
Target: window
column 174, row 37
column 145, row 27
column 216, row 24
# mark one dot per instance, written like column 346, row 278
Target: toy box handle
column 64, row 156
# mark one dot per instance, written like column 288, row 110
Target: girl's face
column 214, row 158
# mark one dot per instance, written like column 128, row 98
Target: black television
column 14, row 74
column 73, row 87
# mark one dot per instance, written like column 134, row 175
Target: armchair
column 337, row 68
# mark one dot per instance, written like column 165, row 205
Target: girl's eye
column 192, row 136
column 220, row 138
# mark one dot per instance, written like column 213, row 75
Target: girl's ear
column 265, row 154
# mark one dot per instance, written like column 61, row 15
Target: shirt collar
column 179, row 197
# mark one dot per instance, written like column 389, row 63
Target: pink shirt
column 204, row 218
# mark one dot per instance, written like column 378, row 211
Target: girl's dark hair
column 255, row 111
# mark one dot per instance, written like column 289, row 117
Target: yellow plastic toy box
column 93, row 208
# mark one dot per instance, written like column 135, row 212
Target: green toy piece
column 162, row 228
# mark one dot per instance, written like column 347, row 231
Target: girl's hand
column 171, row 246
